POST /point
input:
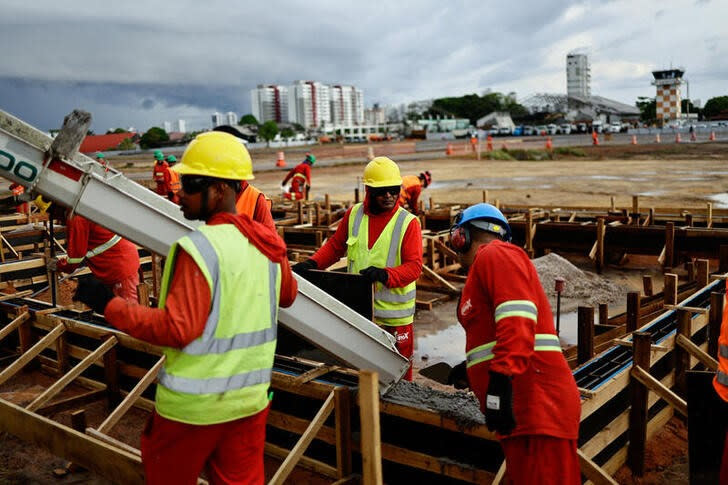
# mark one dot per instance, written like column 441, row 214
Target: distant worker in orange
column 17, row 191
column 250, row 200
column 412, row 189
column 114, row 261
column 720, row 381
column 161, row 176
column 300, row 177
column 174, row 183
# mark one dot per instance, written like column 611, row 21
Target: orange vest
column 720, row 381
column 174, row 183
column 407, row 182
column 247, row 201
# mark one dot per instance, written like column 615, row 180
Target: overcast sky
column 139, row 63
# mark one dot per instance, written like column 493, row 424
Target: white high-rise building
column 578, row 75
column 309, row 104
column 347, row 106
column 182, row 126
column 269, row 102
column 217, row 119
column 375, row 115
column 231, row 118
column 167, row 126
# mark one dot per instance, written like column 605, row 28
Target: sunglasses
column 194, row 185
column 382, row 191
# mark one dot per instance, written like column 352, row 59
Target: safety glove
column 52, row 264
column 373, row 274
column 303, row 266
column 499, row 404
column 458, row 377
column 94, row 294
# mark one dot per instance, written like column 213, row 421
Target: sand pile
column 582, row 287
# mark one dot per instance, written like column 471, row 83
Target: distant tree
column 268, row 130
column 287, row 133
column 648, row 109
column 298, row 127
column 154, row 138
column 716, row 107
column 127, row 144
column 687, row 106
column 118, row 130
column 473, row 106
column 248, row 120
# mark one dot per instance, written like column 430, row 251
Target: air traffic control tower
column 667, row 100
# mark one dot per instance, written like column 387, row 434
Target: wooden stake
column 670, row 289
column 682, row 357
column 639, row 405
column 714, row 321
column 703, row 272
column 636, row 210
column 647, row 285
column 603, row 314
column 669, row 245
column 585, row 334
column 342, row 405
column 601, row 230
column 709, row 215
column 658, row 388
column 111, row 376
column 371, row 446
column 485, row 196
column 695, row 351
column 633, row 310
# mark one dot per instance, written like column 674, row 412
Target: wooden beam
column 670, row 289
column 592, row 471
column 682, row 357
column 342, row 405
column 500, row 475
column 31, row 353
column 633, row 310
column 704, row 358
column 432, row 275
column 14, row 324
column 67, row 378
column 305, row 462
column 371, row 446
column 669, row 245
column 639, row 399
column 714, row 321
column 290, row 462
column 655, row 386
column 95, row 455
column 312, row 374
column 585, row 334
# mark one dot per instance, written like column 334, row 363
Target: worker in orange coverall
column 111, row 258
column 514, row 361
column 412, row 186
column 217, row 323
column 300, row 177
column 720, row 381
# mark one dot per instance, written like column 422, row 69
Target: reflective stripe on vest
column 300, row 175
column 723, row 349
column 215, row 384
column 174, row 184
column 543, row 342
column 722, row 378
column 394, row 297
column 516, row 308
column 97, row 250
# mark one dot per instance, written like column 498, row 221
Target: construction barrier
column 281, row 162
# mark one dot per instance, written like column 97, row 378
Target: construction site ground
column 686, row 176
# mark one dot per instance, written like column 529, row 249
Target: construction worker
column 250, row 200
column 384, row 243
column 412, row 189
column 216, row 321
column 161, row 176
column 174, row 183
column 300, row 177
column 17, row 191
column 514, row 362
column 111, row 259
column 720, row 381
column 101, row 158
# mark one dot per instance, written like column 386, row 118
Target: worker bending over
column 161, row 176
column 249, row 200
column 412, row 189
column 111, row 258
column 217, row 320
column 514, row 362
column 383, row 242
column 300, row 177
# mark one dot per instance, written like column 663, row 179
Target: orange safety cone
column 634, row 139
column 489, row 141
column 712, row 136
column 448, row 150
column 549, row 143
column 595, row 138
column 657, row 138
column 677, row 138
column 281, row 162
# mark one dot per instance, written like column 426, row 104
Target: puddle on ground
column 568, row 327
column 445, row 345
column 721, row 200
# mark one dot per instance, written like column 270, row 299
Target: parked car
column 552, row 129
column 615, row 127
column 597, row 126
column 529, row 130
column 518, row 130
column 565, row 129
column 541, row 130
column 504, row 130
column 582, row 128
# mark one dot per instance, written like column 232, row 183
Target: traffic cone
column 370, row 153
column 448, row 150
column 489, row 141
column 712, row 136
column 549, row 144
column 634, row 139
column 677, row 138
column 595, row 139
column 657, row 138
column 281, row 160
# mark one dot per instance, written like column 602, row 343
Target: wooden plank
column 714, row 321
column 655, row 386
column 290, row 462
column 697, row 352
column 448, row 252
column 113, row 442
column 670, row 289
column 682, row 357
column 31, row 353
column 669, row 245
column 592, row 471
column 95, row 455
column 131, row 398
column 371, row 446
column 14, row 324
column 342, row 405
column 305, row 462
column 638, row 410
column 72, row 402
column 439, row 279
column 633, row 310
column 312, row 374
column 67, row 378
column 585, row 334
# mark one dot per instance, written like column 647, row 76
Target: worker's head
column 211, row 169
column 383, row 183
column 425, row 178
column 99, row 156
column 158, row 155
column 477, row 225
column 171, row 160
column 310, row 159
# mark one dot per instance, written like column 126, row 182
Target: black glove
column 303, row 266
column 458, row 377
column 499, row 404
column 372, row 273
column 93, row 293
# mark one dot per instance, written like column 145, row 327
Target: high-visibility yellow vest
column 224, row 374
column 392, row 306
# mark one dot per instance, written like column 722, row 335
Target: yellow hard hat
column 41, row 204
column 382, row 172
column 216, row 154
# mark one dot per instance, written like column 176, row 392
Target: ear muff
column 460, row 238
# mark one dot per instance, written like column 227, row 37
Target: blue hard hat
column 485, row 217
